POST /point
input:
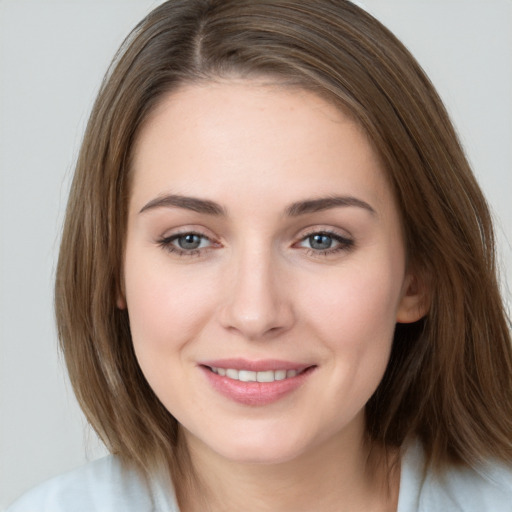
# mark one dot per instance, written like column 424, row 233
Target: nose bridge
column 257, row 303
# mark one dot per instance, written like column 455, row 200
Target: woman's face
column 264, row 268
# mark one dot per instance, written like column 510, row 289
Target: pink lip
column 255, row 393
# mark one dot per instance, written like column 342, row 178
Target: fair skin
column 238, row 257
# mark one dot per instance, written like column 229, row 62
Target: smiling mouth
column 252, row 376
column 255, row 383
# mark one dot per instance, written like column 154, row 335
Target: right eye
column 186, row 244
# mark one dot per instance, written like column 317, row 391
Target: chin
column 244, row 454
column 258, row 447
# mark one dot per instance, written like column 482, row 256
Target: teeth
column 268, row 376
column 232, row 374
column 246, row 376
column 280, row 375
column 250, row 376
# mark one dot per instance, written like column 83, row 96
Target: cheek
column 167, row 310
column 360, row 304
column 167, row 307
column 354, row 318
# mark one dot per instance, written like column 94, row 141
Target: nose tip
column 254, row 325
column 257, row 305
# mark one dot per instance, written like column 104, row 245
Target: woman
column 276, row 287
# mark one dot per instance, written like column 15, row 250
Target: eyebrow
column 326, row 203
column 296, row 209
column 188, row 203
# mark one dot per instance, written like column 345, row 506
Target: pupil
column 320, row 241
column 189, row 241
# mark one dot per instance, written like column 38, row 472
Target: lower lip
column 255, row 393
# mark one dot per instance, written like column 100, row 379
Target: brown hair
column 448, row 381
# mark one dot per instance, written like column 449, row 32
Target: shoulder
column 487, row 488
column 105, row 485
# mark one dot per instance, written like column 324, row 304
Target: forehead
column 224, row 138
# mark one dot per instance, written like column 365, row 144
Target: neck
column 340, row 475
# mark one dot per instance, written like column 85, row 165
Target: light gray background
column 52, row 57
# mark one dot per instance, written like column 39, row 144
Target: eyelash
column 167, row 244
column 344, row 244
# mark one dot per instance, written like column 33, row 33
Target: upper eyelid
column 341, row 233
column 184, row 233
column 342, row 240
column 175, row 236
column 186, row 230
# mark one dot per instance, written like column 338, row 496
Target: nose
column 257, row 302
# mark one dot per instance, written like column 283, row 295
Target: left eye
column 320, row 241
column 325, row 242
column 190, row 241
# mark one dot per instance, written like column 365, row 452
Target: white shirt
column 105, row 486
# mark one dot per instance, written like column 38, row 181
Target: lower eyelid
column 172, row 249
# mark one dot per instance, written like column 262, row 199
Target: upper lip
column 261, row 365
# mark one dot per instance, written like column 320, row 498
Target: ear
column 121, row 295
column 415, row 301
column 120, row 301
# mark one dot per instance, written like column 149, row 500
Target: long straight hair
column 448, row 381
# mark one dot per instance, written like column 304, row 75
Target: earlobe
column 121, row 294
column 415, row 301
column 120, row 301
